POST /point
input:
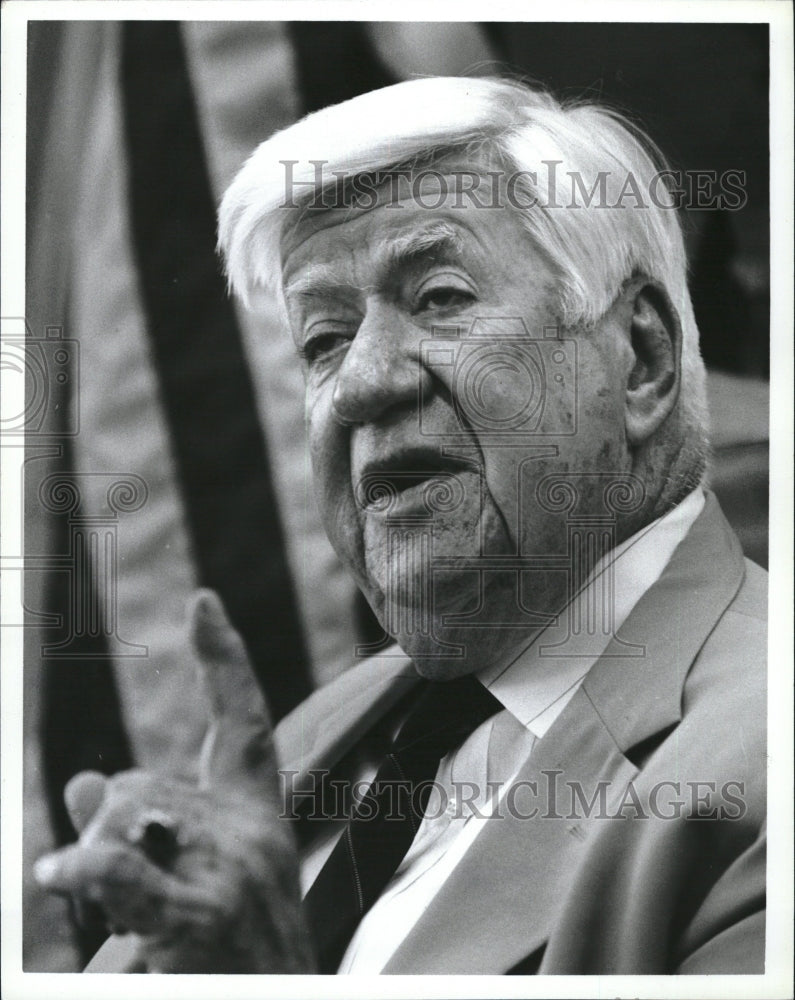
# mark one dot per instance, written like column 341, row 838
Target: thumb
column 238, row 750
column 83, row 795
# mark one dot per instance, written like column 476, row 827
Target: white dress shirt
column 471, row 781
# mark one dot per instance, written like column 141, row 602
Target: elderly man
column 560, row 767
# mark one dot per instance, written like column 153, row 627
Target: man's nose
column 381, row 370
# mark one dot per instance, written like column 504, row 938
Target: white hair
column 596, row 240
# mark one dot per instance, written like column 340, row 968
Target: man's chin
column 442, row 670
column 440, row 660
column 443, row 652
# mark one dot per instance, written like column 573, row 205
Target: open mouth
column 416, row 475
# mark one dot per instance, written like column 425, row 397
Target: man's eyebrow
column 435, row 241
column 320, row 280
column 438, row 240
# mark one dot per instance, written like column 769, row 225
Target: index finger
column 238, row 750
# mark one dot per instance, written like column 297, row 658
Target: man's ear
column 656, row 340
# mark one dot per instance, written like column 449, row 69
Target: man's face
column 427, row 444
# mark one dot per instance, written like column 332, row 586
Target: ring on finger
column 157, row 834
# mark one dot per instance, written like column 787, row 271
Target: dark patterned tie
column 385, row 821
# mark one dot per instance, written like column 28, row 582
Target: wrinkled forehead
column 451, row 186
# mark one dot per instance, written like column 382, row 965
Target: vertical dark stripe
column 207, row 393
column 335, row 61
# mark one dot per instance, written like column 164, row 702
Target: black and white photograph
column 397, row 442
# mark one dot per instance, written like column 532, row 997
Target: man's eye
column 320, row 345
column 444, row 297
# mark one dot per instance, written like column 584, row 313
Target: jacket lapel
column 317, row 733
column 642, row 696
column 502, row 900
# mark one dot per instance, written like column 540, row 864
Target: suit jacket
column 585, row 894
column 635, row 884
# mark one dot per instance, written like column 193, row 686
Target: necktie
column 385, row 821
